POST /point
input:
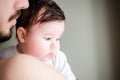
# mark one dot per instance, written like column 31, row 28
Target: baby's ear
column 21, row 33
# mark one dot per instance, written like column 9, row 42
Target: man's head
column 9, row 12
column 39, row 29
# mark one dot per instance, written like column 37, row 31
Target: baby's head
column 39, row 29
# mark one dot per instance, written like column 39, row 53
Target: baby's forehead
column 51, row 27
column 52, row 31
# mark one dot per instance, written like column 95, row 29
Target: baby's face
column 43, row 40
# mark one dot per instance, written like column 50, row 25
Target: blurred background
column 91, row 39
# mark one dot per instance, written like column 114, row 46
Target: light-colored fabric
column 60, row 62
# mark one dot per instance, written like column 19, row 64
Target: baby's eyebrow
column 48, row 34
column 51, row 34
column 60, row 35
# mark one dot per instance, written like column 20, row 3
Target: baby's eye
column 47, row 38
column 57, row 39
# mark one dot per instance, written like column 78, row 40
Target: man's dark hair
column 50, row 11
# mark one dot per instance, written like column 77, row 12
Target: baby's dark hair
column 48, row 10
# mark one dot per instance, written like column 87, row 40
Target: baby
column 39, row 30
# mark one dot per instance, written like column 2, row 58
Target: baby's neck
column 19, row 49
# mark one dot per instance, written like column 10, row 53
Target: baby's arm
column 25, row 67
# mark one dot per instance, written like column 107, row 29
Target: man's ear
column 21, row 33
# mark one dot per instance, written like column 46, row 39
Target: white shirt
column 59, row 62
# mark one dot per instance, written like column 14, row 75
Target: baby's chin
column 46, row 59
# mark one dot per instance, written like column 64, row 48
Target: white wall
column 85, row 40
column 78, row 41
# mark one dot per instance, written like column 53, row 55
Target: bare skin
column 25, row 67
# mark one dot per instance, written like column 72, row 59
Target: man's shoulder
column 26, row 67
